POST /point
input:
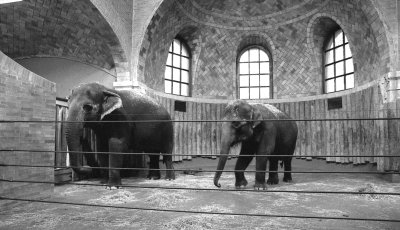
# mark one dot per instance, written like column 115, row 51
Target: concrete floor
column 57, row 216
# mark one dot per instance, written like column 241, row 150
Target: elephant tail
column 168, row 142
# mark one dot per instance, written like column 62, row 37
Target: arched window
column 254, row 74
column 177, row 70
column 338, row 63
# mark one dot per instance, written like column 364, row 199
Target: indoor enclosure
column 333, row 66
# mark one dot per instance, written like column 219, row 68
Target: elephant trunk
column 74, row 135
column 227, row 139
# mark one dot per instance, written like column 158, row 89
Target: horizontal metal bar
column 182, row 170
column 197, row 212
column 205, row 155
column 202, row 121
column 208, row 189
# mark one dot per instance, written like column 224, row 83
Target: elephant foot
column 241, row 184
column 273, row 179
column 260, row 186
column 287, row 179
column 170, row 175
column 113, row 184
column 152, row 176
column 113, row 187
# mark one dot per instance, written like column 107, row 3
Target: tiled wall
column 217, row 37
column 25, row 97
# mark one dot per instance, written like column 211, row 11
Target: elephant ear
column 112, row 101
column 256, row 117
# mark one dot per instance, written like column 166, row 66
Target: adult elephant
column 247, row 123
column 93, row 102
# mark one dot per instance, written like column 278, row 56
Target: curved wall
column 288, row 33
column 28, row 97
column 67, row 74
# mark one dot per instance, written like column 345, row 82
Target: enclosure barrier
column 213, row 155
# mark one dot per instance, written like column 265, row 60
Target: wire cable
column 145, row 169
column 203, row 121
column 203, row 155
column 199, row 212
column 207, row 189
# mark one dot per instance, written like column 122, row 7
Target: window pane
column 184, row 76
column 339, row 53
column 330, row 86
column 263, row 56
column 339, row 38
column 244, row 80
column 349, row 66
column 176, row 74
column 170, row 48
column 264, row 80
column 244, row 68
column 176, row 61
column 168, row 86
column 264, row 67
column 169, row 59
column 347, row 51
column 329, row 71
column 244, row 57
column 254, row 68
column 329, row 57
column 330, row 44
column 176, row 88
column 244, row 93
column 254, row 80
column 350, row 81
column 264, row 92
column 339, row 83
column 168, row 72
column 184, row 90
column 177, row 47
column 345, row 39
column 254, row 55
column 339, row 68
column 254, row 93
column 185, row 63
column 185, row 52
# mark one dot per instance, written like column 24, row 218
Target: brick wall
column 217, row 35
column 28, row 97
column 72, row 29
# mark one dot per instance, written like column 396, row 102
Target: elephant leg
column 261, row 167
column 115, row 161
column 273, row 168
column 245, row 157
column 287, row 162
column 170, row 173
column 103, row 162
column 154, row 168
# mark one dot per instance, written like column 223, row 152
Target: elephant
column 247, row 124
column 118, row 131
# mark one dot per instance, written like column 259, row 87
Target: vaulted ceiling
column 72, row 29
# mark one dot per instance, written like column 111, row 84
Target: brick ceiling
column 245, row 8
column 58, row 28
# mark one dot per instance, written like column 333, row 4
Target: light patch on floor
column 115, row 197
column 167, row 198
column 195, row 222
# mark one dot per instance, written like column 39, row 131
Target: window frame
column 270, row 62
column 189, row 70
column 325, row 50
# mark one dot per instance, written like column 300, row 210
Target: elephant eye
column 236, row 124
column 88, row 108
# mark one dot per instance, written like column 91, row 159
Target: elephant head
column 240, row 120
column 87, row 103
